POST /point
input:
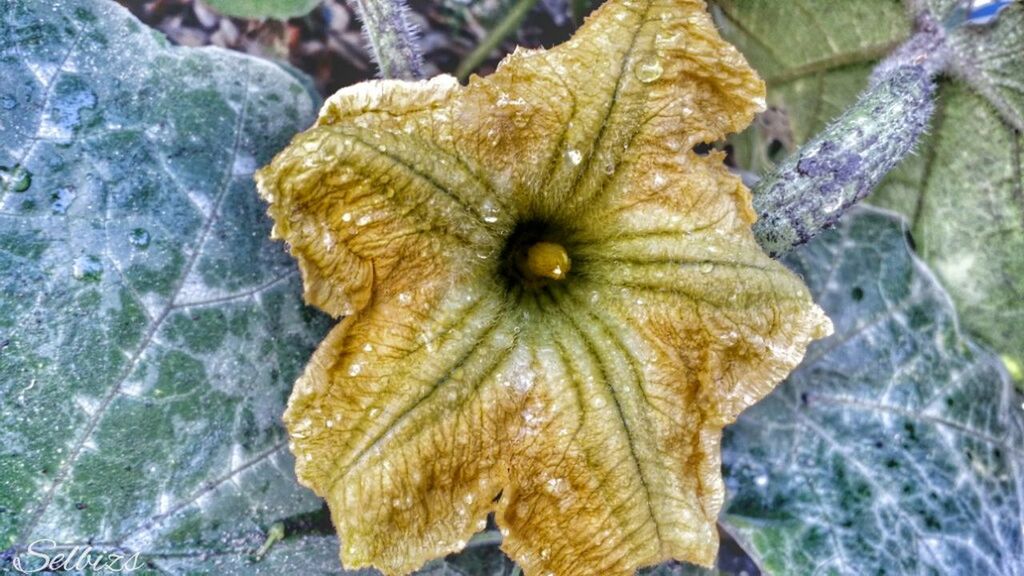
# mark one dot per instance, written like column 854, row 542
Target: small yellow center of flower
column 546, row 260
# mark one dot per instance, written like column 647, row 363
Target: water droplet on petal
column 648, row 69
column 706, row 267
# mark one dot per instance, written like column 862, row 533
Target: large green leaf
column 258, row 9
column 896, row 448
column 963, row 191
column 150, row 331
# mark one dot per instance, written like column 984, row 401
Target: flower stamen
column 546, row 260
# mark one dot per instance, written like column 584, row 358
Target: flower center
column 535, row 256
column 546, row 260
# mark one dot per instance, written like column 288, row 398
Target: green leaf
column 260, row 9
column 964, row 192
column 965, row 197
column 814, row 60
column 150, row 331
column 897, row 446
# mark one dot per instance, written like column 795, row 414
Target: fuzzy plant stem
column 509, row 24
column 392, row 38
column 808, row 192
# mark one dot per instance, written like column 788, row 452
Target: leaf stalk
column 392, row 38
column 809, row 191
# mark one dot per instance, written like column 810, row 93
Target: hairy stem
column 810, row 190
column 507, row 26
column 391, row 37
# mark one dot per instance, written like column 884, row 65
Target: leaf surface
column 259, row 9
column 815, row 62
column 584, row 408
column 148, row 330
column 896, row 447
column 963, row 190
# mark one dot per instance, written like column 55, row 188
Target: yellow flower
column 552, row 303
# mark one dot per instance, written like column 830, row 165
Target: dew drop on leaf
column 62, row 199
column 88, row 268
column 16, row 178
column 139, row 238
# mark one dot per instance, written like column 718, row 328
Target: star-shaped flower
column 552, row 303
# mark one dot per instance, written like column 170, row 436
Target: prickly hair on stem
column 392, row 38
column 810, row 190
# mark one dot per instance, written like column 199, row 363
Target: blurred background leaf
column 259, row 9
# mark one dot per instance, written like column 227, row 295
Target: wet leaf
column 552, row 304
column 962, row 192
column 896, row 447
column 148, row 330
column 258, row 9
